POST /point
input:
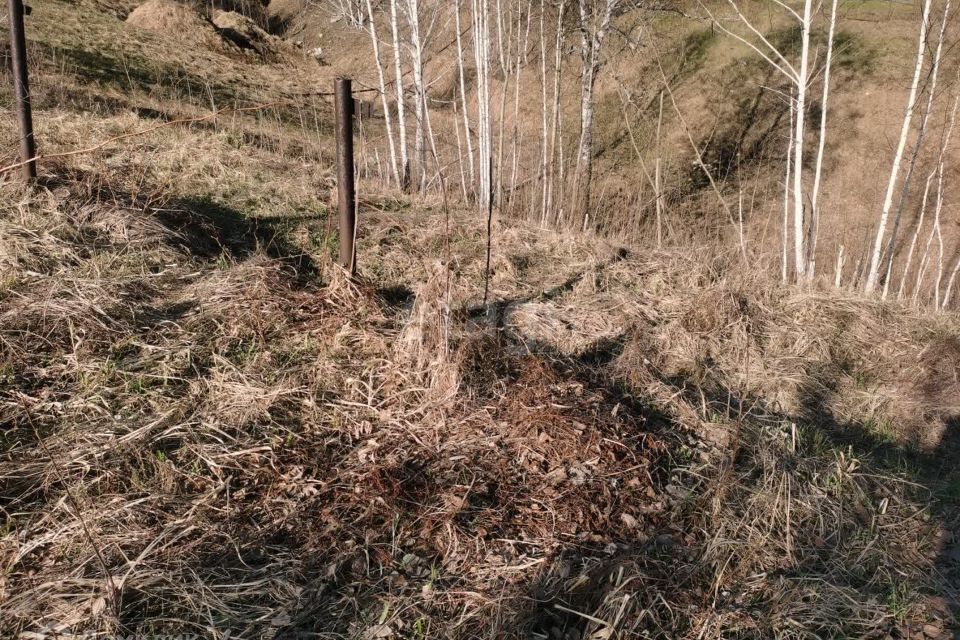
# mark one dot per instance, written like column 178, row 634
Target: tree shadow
column 209, row 229
column 199, row 226
column 577, row 584
column 345, row 583
column 137, row 73
column 338, row 587
column 931, row 469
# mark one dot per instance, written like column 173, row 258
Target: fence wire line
column 133, row 134
column 289, row 101
column 367, row 89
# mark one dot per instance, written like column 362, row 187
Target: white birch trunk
column 482, row 57
column 419, row 87
column 388, row 117
column 838, row 271
column 785, row 251
column 504, row 90
column 800, row 263
column 463, row 173
column 921, row 134
column 463, row 97
column 948, row 294
column 555, row 113
column 818, row 171
column 592, row 37
column 657, row 186
column 500, row 49
column 515, row 142
column 916, row 235
column 544, row 111
column 401, row 111
column 939, row 230
column 873, row 272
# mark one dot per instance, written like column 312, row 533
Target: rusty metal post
column 346, row 189
column 21, row 89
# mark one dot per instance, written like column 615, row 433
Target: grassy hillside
column 206, row 428
column 734, row 104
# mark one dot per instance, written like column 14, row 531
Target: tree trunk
column 818, row 171
column 785, row 250
column 873, row 273
column 463, row 97
column 657, row 185
column 584, row 175
column 387, row 116
column 591, row 42
column 916, row 235
column 401, row 111
column 918, row 145
column 555, row 112
column 419, row 86
column 799, row 239
column 482, row 57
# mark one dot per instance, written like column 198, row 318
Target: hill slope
column 730, row 105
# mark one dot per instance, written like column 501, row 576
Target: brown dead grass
column 206, row 428
column 174, row 20
column 281, row 456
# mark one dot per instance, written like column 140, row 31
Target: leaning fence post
column 21, row 89
column 346, row 193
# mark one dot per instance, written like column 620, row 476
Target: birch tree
column 351, row 11
column 799, row 76
column 401, row 111
column 802, row 80
column 555, row 112
column 949, row 291
column 874, row 270
column 387, row 116
column 595, row 17
column 544, row 147
column 481, row 41
column 936, row 231
column 463, row 94
column 818, row 170
column 918, row 145
column 916, row 234
column 785, row 248
column 412, row 12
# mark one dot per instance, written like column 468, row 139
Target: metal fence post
column 21, row 89
column 346, row 190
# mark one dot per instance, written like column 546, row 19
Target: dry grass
column 206, row 428
column 174, row 20
column 204, row 443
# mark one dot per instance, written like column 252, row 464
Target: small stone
column 556, row 476
column 378, row 631
column 932, row 631
column 578, row 476
column 677, row 492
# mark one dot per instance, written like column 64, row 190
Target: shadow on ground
column 652, row 579
column 208, row 229
column 200, row 226
column 630, row 536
